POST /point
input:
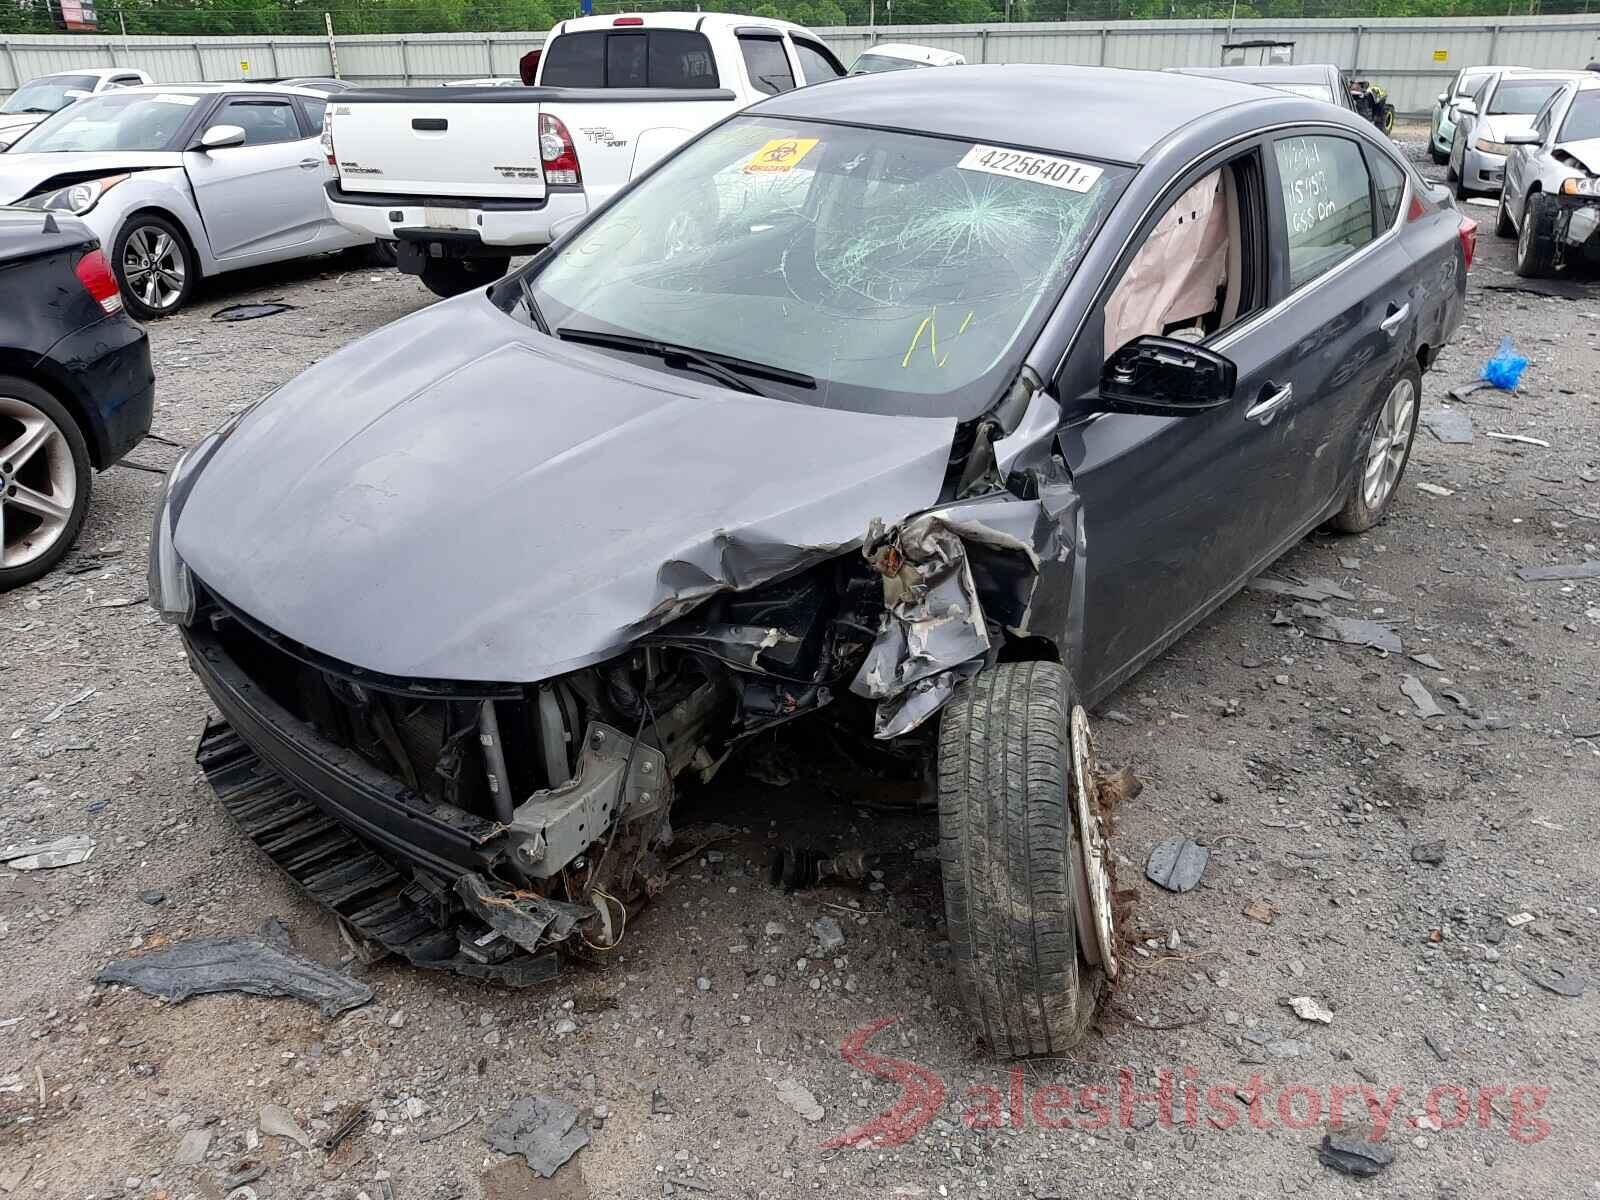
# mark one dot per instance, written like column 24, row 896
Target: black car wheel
column 383, row 253
column 1450, row 170
column 44, row 481
column 1536, row 241
column 1388, row 449
column 1009, row 859
column 454, row 276
column 1502, row 219
column 1440, row 157
column 155, row 267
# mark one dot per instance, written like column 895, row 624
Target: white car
column 184, row 182
column 901, row 56
column 38, row 98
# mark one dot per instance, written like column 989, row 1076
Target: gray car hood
column 1586, row 151
column 21, row 174
column 456, row 497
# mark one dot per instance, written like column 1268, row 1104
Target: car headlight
column 1489, row 147
column 1581, row 187
column 171, row 586
column 76, row 198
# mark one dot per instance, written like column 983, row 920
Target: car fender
column 165, row 191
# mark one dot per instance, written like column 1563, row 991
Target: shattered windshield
column 900, row 271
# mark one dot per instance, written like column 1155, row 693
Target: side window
column 768, row 65
column 625, row 61
column 263, row 121
column 816, row 64
column 1389, row 185
column 313, row 112
column 576, row 60
column 126, row 81
column 681, row 58
column 1326, row 195
column 1198, row 271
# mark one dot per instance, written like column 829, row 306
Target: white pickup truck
column 462, row 178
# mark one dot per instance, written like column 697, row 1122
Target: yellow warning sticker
column 779, row 155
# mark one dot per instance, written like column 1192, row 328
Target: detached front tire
column 1008, row 859
column 1536, row 240
column 454, row 276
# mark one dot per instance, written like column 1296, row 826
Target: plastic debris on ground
column 1433, row 489
column 263, row 965
column 1315, row 589
column 1504, row 369
column 1419, row 696
column 543, row 1130
column 1177, row 864
column 278, row 1121
column 249, row 312
column 1308, row 1008
column 1521, row 438
column 1354, row 1152
column 1556, row 979
column 1453, row 426
column 798, row 1097
column 1352, row 631
column 1583, row 570
column 65, row 851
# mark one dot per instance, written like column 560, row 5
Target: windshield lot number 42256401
column 1041, row 168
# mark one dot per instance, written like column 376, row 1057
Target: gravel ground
column 1298, row 763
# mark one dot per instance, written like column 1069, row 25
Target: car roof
column 1116, row 115
column 212, row 89
column 1266, row 73
column 97, row 72
column 674, row 20
column 908, row 50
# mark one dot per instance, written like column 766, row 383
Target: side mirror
column 220, row 137
column 1166, row 378
column 1444, row 97
column 1528, row 138
column 1466, row 108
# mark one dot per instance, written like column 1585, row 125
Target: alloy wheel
column 1391, row 437
column 152, row 267
column 38, row 482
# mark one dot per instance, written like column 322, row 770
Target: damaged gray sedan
column 902, row 402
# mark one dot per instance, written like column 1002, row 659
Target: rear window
column 630, row 58
column 1525, row 96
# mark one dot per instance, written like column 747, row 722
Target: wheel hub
column 1097, row 935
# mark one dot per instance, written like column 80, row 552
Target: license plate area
column 435, row 217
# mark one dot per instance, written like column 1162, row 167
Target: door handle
column 308, row 163
column 1269, row 402
column 1392, row 322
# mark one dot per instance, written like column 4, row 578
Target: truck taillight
column 557, row 153
column 327, row 136
column 95, row 274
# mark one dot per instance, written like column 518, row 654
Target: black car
column 76, row 386
column 901, row 403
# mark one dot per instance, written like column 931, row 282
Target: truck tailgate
column 453, row 147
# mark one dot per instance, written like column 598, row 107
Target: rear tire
column 455, row 276
column 1364, row 508
column 48, row 459
column 1536, row 241
column 1007, row 857
column 1440, row 157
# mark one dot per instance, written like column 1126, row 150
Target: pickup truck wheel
column 454, row 276
column 1010, row 860
column 44, row 481
column 1536, row 241
column 1502, row 220
column 154, row 266
column 382, row 253
column 1388, row 450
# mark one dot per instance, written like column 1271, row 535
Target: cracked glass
column 904, row 272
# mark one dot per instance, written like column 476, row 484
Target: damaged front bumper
column 1578, row 226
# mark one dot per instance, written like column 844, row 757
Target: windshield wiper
column 537, row 316
column 724, row 367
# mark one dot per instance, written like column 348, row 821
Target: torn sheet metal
column 529, row 920
column 950, row 574
column 603, row 501
column 544, row 1130
column 65, row 851
column 258, row 965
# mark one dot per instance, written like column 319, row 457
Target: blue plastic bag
column 1505, row 369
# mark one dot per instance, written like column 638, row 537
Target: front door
column 265, row 196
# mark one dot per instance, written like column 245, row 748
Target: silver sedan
column 1503, row 105
column 1551, row 199
column 183, row 182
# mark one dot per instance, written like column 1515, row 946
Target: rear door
column 1351, row 298
column 266, row 195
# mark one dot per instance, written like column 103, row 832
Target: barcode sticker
column 1035, row 168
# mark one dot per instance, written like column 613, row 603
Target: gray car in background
column 1314, row 81
column 1551, row 199
column 1504, row 104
